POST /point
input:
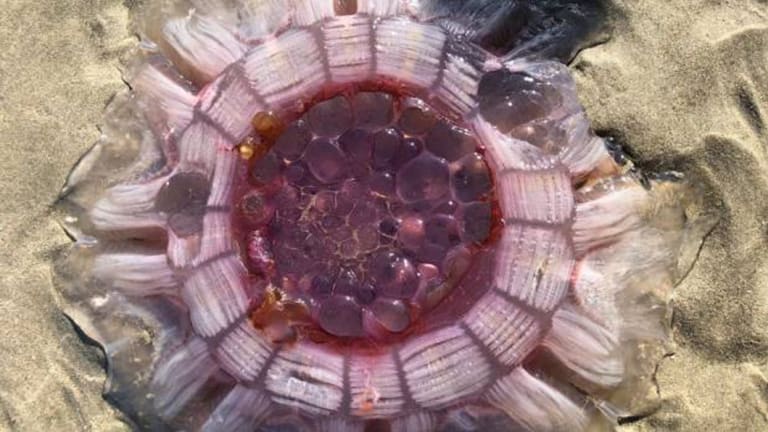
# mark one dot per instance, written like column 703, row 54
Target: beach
column 681, row 85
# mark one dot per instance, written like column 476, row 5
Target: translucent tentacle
column 535, row 404
column 240, row 411
column 203, row 43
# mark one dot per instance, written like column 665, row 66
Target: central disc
column 365, row 213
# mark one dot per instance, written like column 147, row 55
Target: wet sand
column 682, row 84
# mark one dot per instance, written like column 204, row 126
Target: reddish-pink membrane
column 351, row 217
column 350, row 245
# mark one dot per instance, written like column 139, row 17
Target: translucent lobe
column 241, row 410
column 203, row 43
column 136, row 274
column 585, row 346
column 608, row 215
column 161, row 93
column 542, row 125
column 128, row 206
column 180, row 376
column 416, row 120
column 535, row 404
column 508, row 99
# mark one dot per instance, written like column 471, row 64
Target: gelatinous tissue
column 368, row 216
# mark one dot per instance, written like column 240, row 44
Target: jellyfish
column 370, row 215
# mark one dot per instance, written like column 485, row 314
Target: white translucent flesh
column 247, row 68
column 181, row 375
column 508, row 331
column 240, row 411
column 215, row 295
column 536, row 404
column 349, row 45
column 204, row 43
column 409, row 52
column 586, row 347
column 375, row 387
column 136, row 274
column 534, row 265
column 444, row 367
column 243, row 352
column 538, row 196
column 307, row 378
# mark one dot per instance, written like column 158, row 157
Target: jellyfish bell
column 349, row 216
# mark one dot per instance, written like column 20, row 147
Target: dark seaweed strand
column 555, row 29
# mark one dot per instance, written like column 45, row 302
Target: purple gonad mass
column 365, row 216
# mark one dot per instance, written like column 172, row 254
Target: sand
column 682, row 84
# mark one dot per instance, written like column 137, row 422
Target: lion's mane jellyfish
column 366, row 216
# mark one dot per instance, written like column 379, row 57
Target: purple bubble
column 373, row 109
column 292, row 142
column 473, row 180
column 424, row 178
column 325, row 161
column 330, row 118
column 341, row 316
column 386, row 144
column 391, row 314
column 449, row 142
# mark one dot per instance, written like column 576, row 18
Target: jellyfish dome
column 371, row 215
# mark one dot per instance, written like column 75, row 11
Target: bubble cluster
column 361, row 208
